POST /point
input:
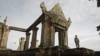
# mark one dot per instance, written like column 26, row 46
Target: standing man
column 76, row 41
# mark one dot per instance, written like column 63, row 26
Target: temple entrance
column 56, row 39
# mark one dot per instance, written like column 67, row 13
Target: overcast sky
column 84, row 14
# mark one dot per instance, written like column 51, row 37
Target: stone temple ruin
column 4, row 31
column 52, row 21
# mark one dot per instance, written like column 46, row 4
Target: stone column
column 46, row 32
column 65, row 38
column 34, row 36
column 61, row 38
column 37, row 43
column 52, row 37
column 21, row 44
column 27, row 41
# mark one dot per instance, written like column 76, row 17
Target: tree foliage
column 98, row 29
column 98, row 3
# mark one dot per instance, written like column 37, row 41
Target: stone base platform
column 50, row 51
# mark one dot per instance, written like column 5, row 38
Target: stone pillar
column 42, row 35
column 4, row 31
column 65, row 38
column 34, row 36
column 21, row 44
column 52, row 40
column 37, row 43
column 61, row 39
column 27, row 41
column 46, row 32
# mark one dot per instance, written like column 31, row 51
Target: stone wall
column 50, row 51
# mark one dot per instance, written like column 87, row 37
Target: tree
column 98, row 29
column 98, row 3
